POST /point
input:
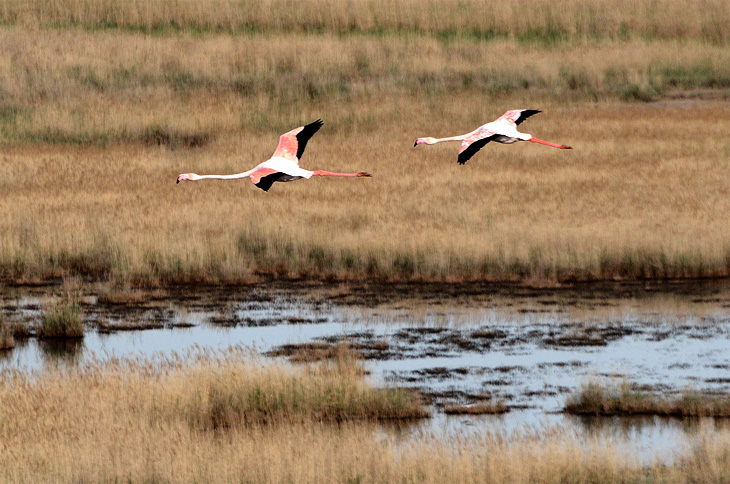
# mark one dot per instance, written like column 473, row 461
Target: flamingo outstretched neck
column 283, row 166
column 562, row 147
column 330, row 173
column 501, row 130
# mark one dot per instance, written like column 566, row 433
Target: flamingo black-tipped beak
column 178, row 181
column 416, row 143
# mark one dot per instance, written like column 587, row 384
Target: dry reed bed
column 96, row 124
column 157, row 421
column 642, row 195
column 107, row 87
column 528, row 21
column 625, row 399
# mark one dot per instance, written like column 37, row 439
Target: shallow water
column 456, row 344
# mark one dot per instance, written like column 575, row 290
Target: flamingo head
column 424, row 141
column 187, row 177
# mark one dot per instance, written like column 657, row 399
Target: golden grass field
column 154, row 420
column 97, row 125
column 104, row 103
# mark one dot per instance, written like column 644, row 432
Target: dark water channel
column 529, row 348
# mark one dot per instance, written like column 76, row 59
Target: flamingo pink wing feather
column 288, row 145
column 259, row 174
column 511, row 116
column 481, row 134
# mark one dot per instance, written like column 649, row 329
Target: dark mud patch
column 311, row 352
column 580, row 334
column 363, row 345
column 439, row 373
column 106, row 327
column 441, row 398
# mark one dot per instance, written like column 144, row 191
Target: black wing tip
column 526, row 113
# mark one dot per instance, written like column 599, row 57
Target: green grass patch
column 61, row 321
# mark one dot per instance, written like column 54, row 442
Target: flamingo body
column 502, row 130
column 283, row 166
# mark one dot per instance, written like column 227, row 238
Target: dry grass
column 488, row 408
column 526, row 21
column 311, row 352
column 97, row 122
column 624, row 399
column 155, row 421
column 7, row 339
column 641, row 196
column 60, row 321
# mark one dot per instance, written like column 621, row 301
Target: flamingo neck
column 451, row 138
column 331, row 173
column 234, row 176
column 554, row 145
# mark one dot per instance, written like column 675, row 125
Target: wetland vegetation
column 473, row 288
column 596, row 398
column 105, row 102
column 96, row 409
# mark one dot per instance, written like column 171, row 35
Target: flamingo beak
column 416, row 143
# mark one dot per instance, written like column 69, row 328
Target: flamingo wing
column 474, row 143
column 516, row 116
column 292, row 144
column 264, row 178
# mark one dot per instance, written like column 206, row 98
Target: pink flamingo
column 501, row 130
column 283, row 166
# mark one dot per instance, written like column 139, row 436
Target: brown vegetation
column 624, row 399
column 7, row 340
column 225, row 418
column 311, row 352
column 538, row 22
column 61, row 320
column 98, row 117
column 477, row 408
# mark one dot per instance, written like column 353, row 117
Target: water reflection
column 56, row 351
column 528, row 349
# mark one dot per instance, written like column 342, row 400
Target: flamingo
column 283, row 166
column 501, row 130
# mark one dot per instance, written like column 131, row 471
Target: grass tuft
column 7, row 339
column 328, row 392
column 489, row 408
column 60, row 321
column 595, row 398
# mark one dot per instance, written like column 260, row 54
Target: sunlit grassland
column 96, row 123
column 152, row 420
column 643, row 194
column 527, row 21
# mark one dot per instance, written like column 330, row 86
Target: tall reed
column 542, row 22
column 136, row 421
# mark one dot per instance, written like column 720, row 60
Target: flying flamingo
column 283, row 166
column 501, row 130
